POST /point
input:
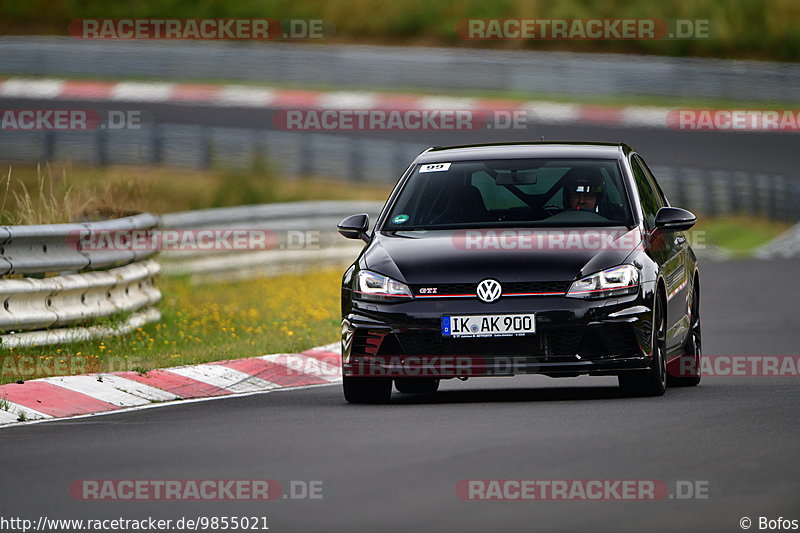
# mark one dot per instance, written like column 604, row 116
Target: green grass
column 32, row 194
column 200, row 324
column 763, row 29
column 739, row 235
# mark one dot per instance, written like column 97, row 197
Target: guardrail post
column 306, row 154
column 796, row 202
column 101, row 147
column 207, row 153
column 754, row 194
column 707, row 186
column 156, row 139
column 49, row 145
column 772, row 195
column 736, row 180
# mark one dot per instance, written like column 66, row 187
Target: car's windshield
column 511, row 193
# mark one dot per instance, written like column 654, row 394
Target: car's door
column 680, row 270
column 668, row 249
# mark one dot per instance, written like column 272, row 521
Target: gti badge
column 489, row 290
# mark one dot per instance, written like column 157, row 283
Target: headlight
column 372, row 286
column 612, row 282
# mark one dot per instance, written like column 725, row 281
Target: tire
column 653, row 381
column 366, row 390
column 692, row 357
column 417, row 385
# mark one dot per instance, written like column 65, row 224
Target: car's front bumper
column 573, row 337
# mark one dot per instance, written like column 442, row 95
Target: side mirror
column 355, row 227
column 674, row 219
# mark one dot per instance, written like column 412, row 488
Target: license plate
column 488, row 325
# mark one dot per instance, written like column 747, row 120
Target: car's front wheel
column 653, row 381
column 417, row 385
column 688, row 371
column 367, row 390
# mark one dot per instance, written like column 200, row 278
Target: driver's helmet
column 583, row 180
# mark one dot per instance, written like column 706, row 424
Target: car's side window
column 660, row 194
column 647, row 194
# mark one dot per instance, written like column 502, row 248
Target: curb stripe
column 306, row 364
column 53, row 400
column 241, row 96
column 272, row 372
column 180, row 386
column 14, row 410
column 188, row 92
column 259, row 97
column 87, row 89
column 130, row 386
column 32, row 88
column 132, row 91
column 224, row 378
column 89, row 386
column 295, row 98
column 84, row 395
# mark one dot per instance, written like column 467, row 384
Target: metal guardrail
column 360, row 66
column 67, row 288
column 55, row 290
column 48, row 248
column 290, row 154
column 305, row 239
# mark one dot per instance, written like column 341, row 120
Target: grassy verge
column 738, row 235
column 34, row 194
column 200, row 324
column 764, row 29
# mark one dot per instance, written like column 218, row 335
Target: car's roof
column 519, row 150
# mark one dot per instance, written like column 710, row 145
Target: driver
column 583, row 191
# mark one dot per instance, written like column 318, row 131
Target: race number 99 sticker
column 435, row 167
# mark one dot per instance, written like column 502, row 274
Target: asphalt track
column 395, row 467
column 772, row 153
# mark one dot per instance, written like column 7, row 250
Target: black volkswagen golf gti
column 559, row 259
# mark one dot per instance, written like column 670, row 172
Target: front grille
column 564, row 341
column 508, row 287
column 619, row 339
column 594, row 342
column 555, row 342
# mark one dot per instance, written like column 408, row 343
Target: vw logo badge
column 489, row 290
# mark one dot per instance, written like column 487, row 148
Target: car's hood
column 468, row 256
